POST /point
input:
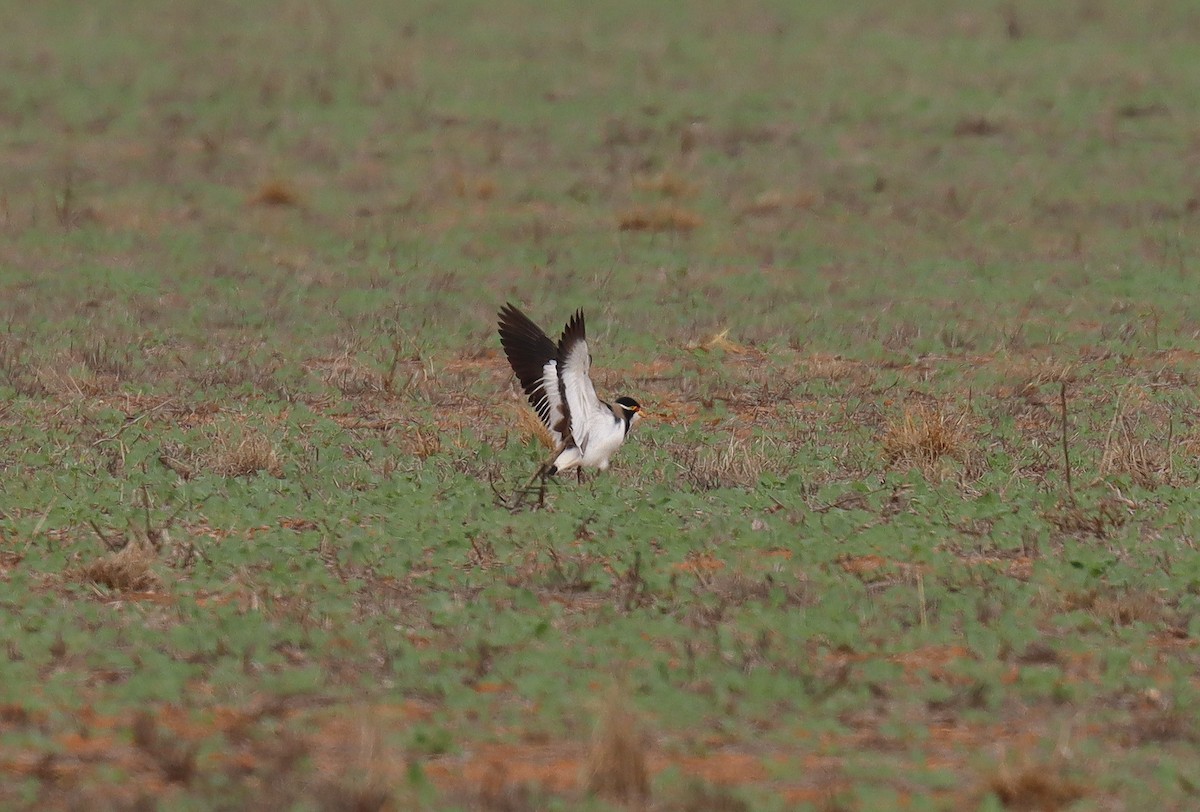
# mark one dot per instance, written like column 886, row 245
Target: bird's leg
column 579, row 475
column 543, row 473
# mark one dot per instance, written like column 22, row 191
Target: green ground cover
column 907, row 290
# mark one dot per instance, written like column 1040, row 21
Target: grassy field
column 907, row 290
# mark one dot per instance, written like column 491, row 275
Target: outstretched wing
column 534, row 359
column 577, row 392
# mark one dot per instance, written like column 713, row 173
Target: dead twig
column 1062, row 402
column 131, row 421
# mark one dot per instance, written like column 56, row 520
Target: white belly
column 602, row 444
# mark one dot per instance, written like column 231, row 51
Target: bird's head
column 630, row 409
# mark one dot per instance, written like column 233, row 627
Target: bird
column 585, row 430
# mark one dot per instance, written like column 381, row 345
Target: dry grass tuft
column 130, row 569
column 1124, row 607
column 739, row 464
column 773, row 201
column 617, row 767
column 243, row 452
column 767, row 202
column 659, row 218
column 1099, row 520
column 422, row 442
column 722, row 341
column 275, row 192
column 1167, row 723
column 105, row 357
column 472, row 187
column 1145, row 462
column 352, row 377
column 925, row 437
column 1035, row 787
column 173, row 756
column 363, row 785
column 498, row 792
column 1118, row 606
column 667, row 184
column 531, row 426
column 836, row 368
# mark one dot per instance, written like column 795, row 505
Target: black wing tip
column 575, row 330
column 508, row 310
column 510, row 314
column 516, row 326
column 527, row 348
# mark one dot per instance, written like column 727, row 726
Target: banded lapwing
column 585, row 430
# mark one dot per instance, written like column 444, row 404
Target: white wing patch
column 549, row 401
column 578, row 392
